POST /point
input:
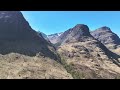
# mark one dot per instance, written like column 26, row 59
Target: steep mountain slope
column 85, row 57
column 24, row 53
column 78, row 33
column 107, row 37
column 17, row 36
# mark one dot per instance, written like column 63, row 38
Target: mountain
column 86, row 57
column 43, row 35
column 25, row 54
column 78, row 33
column 107, row 37
column 16, row 35
column 53, row 37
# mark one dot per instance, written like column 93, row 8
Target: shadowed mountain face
column 17, row 36
column 80, row 50
column 78, row 33
column 14, row 26
column 107, row 37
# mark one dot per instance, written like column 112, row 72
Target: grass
column 70, row 69
column 118, row 77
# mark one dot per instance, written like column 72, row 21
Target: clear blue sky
column 50, row 22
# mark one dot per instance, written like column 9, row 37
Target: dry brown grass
column 101, row 65
column 17, row 66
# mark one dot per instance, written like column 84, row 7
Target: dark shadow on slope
column 110, row 54
column 26, row 42
column 27, row 48
column 113, row 56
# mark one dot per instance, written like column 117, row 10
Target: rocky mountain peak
column 82, row 29
column 11, row 16
column 13, row 25
column 106, row 36
column 80, row 32
column 105, row 28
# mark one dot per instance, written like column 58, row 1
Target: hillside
column 25, row 54
column 86, row 57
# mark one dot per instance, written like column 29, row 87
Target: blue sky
column 51, row 22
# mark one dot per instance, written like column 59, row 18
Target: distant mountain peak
column 106, row 36
column 53, row 37
column 105, row 28
column 80, row 25
column 78, row 33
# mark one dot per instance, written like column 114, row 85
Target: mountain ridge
column 76, row 53
column 79, row 49
column 108, row 38
column 16, row 35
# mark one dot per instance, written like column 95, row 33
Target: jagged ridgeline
column 81, row 33
column 17, row 36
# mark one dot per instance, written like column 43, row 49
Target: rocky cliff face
column 84, row 54
column 17, row 36
column 108, row 38
column 77, row 33
column 14, row 26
